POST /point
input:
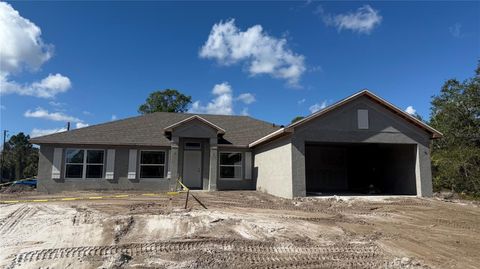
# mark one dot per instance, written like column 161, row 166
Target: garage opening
column 360, row 169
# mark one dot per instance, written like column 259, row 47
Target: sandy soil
column 238, row 230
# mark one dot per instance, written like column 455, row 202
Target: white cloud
column 410, row 110
column 363, row 20
column 263, row 54
column 316, row 107
column 456, row 30
column 87, row 113
column 222, row 104
column 41, row 132
column 56, row 104
column 81, row 125
column 114, row 117
column 246, row 98
column 301, row 101
column 46, row 88
column 244, row 111
column 21, row 42
column 22, row 47
column 45, row 114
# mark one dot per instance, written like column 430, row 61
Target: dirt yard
column 238, row 230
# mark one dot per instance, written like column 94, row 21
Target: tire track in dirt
column 244, row 251
column 9, row 223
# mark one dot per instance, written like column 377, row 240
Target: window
column 231, row 165
column 192, row 145
column 81, row 163
column 74, row 163
column 152, row 164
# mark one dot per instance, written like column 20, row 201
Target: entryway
column 192, row 165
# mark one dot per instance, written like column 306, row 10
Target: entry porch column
column 173, row 162
column 212, row 177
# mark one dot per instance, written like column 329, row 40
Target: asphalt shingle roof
column 148, row 130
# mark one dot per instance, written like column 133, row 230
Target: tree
column 456, row 157
column 168, row 100
column 20, row 157
column 297, row 118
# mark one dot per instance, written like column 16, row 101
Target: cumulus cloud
column 36, row 132
column 262, row 53
column 46, row 88
column 410, row 110
column 362, row 21
column 81, row 125
column 221, row 104
column 224, row 101
column 246, row 98
column 114, row 117
column 21, row 44
column 41, row 132
column 21, row 48
column 316, row 107
column 54, row 116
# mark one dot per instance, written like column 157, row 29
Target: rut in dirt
column 244, row 253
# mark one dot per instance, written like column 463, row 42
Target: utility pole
column 3, row 154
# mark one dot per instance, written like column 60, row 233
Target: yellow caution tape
column 69, row 199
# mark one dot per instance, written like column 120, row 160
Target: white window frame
column 84, row 164
column 140, row 164
column 230, row 165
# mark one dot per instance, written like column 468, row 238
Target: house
column 361, row 144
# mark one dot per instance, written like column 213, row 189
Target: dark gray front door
column 192, row 168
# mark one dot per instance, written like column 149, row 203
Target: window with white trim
column 231, row 165
column 84, row 163
column 152, row 164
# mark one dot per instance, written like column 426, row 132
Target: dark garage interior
column 360, row 169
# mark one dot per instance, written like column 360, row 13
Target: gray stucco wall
column 120, row 181
column 273, row 167
column 340, row 125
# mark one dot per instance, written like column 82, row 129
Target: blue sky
column 91, row 62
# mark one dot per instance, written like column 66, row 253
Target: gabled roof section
column 148, row 130
column 194, row 117
column 376, row 98
column 290, row 128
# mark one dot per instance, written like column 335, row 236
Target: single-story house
column 361, row 144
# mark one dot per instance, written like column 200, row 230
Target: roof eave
column 270, row 136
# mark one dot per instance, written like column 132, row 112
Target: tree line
column 19, row 158
column 455, row 112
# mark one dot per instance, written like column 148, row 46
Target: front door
column 192, row 168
